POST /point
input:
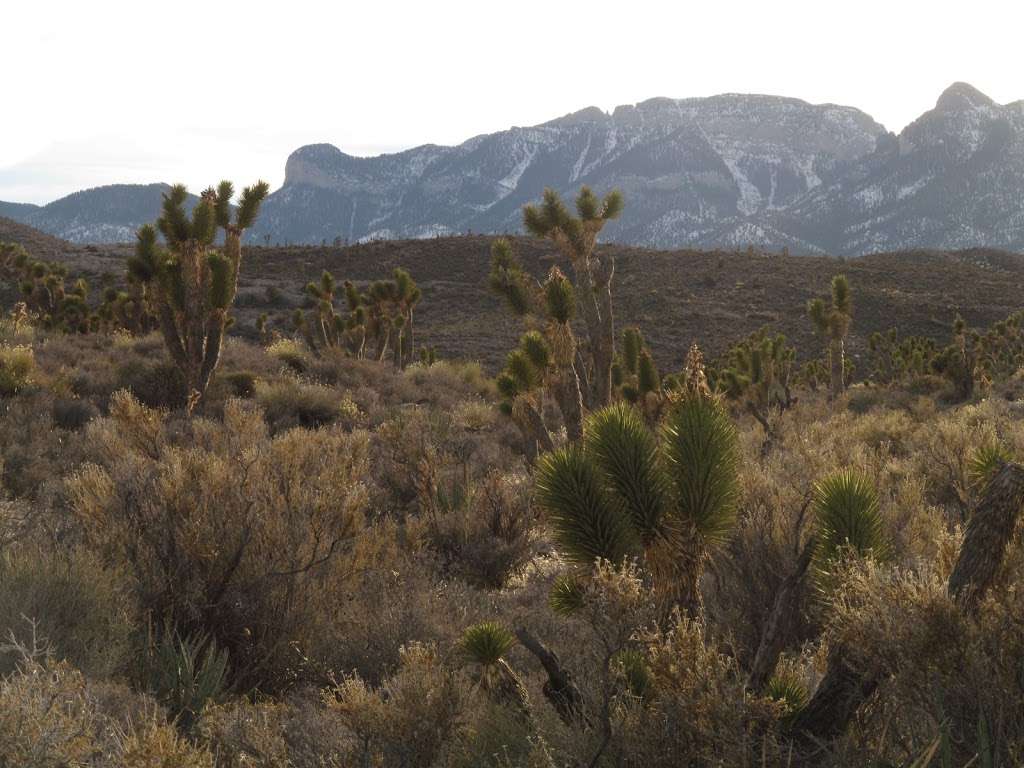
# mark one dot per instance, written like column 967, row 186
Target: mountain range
column 724, row 171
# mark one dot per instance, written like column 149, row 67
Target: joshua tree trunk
column 531, row 424
column 676, row 563
column 570, row 402
column 988, row 534
column 835, row 702
column 382, row 342
column 594, row 295
column 779, row 628
column 559, row 689
column 410, row 341
column 837, row 362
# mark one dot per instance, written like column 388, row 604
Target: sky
column 105, row 91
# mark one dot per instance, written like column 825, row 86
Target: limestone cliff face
column 725, row 171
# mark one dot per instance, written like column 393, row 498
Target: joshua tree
column 757, row 373
column 847, row 517
column 52, row 304
column 485, row 646
column 576, row 238
column 384, row 312
column 544, row 362
column 635, row 375
column 191, row 284
column 991, row 529
column 833, row 323
column 625, row 491
column 959, row 362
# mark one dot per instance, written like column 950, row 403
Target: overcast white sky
column 104, row 91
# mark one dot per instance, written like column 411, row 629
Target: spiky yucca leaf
column 522, row 370
column 221, row 283
column 702, row 458
column 222, row 203
column 841, row 300
column 626, row 453
column 567, row 595
column 204, row 221
column 249, row 205
column 560, row 297
column 848, row 515
column 587, row 204
column 632, row 665
column 173, row 223
column 788, row 689
column 984, row 462
column 818, row 314
column 507, row 385
column 648, row 378
column 611, row 207
column 536, row 349
column 586, row 522
column 143, row 265
column 485, row 643
column 173, row 284
column 631, row 346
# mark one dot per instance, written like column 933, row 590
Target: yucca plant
column 984, row 462
column 626, row 491
column 190, row 283
column 485, row 645
column 183, row 673
column 788, row 689
column 848, row 518
column 636, row 674
column 833, row 323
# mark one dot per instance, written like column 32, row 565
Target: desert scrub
column 51, row 715
column 291, row 402
column 17, row 365
column 412, row 719
column 938, row 668
column 83, row 610
column 231, row 534
column 291, row 354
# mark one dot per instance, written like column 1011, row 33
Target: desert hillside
column 713, row 298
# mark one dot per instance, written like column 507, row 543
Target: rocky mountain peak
column 962, row 96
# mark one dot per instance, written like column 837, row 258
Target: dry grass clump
column 17, row 365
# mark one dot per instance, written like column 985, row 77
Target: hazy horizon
column 92, row 106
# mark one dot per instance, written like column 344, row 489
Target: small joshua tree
column 545, row 361
column 757, row 373
column 959, row 362
column 383, row 313
column 192, row 285
column 847, row 518
column 576, row 238
column 668, row 496
column 485, row 645
column 833, row 323
column 635, row 375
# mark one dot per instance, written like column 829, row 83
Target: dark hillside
column 676, row 297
